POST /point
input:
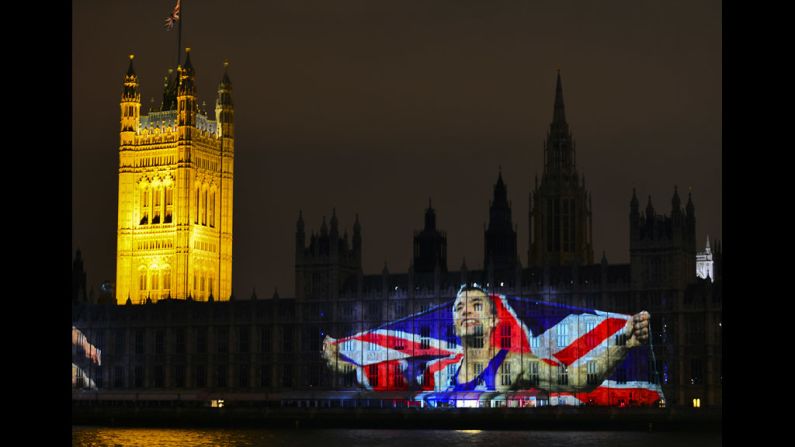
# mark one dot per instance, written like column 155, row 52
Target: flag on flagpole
column 173, row 18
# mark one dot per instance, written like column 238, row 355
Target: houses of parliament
column 172, row 323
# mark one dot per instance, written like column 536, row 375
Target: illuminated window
column 696, row 403
column 590, row 339
column 451, row 371
column 535, row 342
column 144, row 207
column 621, row 375
column 533, row 373
column 505, row 337
column 478, row 307
column 348, row 376
column 166, row 281
column 425, row 341
column 478, row 372
column 372, row 373
column 169, row 204
column 591, row 372
column 155, row 281
column 156, row 205
column 477, row 341
column 196, row 215
column 204, row 208
column 505, row 374
column 212, row 209
column 347, row 345
column 210, row 285
column 397, row 377
column 563, row 335
column 450, row 336
column 563, row 375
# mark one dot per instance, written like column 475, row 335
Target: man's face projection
column 472, row 314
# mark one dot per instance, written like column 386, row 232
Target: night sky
column 374, row 106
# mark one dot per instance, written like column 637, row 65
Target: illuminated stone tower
column 560, row 208
column 176, row 183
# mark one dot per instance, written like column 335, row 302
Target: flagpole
column 179, row 36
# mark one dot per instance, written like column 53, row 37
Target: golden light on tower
column 176, row 178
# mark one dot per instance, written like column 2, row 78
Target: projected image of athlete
column 488, row 347
column 497, row 355
column 84, row 354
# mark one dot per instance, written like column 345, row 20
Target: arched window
column 169, row 204
column 204, row 208
column 212, row 209
column 145, row 206
column 156, row 204
column 196, row 215
column 166, row 281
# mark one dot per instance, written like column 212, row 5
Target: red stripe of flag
column 592, row 339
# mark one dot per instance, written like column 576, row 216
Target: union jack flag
column 423, row 353
column 173, row 18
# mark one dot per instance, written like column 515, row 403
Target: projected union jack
column 483, row 345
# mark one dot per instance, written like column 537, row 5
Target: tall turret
column 130, row 104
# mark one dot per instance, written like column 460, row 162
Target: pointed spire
column 225, row 82
column 464, row 263
column 604, row 258
column 385, row 271
column 275, row 293
column 559, row 114
column 130, row 69
column 708, row 248
column 254, row 293
column 649, row 208
column 357, row 227
column 633, row 203
column 323, row 227
column 690, row 208
column 676, row 203
column 300, row 223
column 334, row 220
column 188, row 68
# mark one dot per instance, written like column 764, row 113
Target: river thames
column 88, row 436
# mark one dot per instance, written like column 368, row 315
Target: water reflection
column 146, row 437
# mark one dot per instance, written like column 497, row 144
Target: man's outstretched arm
column 597, row 353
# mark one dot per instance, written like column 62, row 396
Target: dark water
column 100, row 436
